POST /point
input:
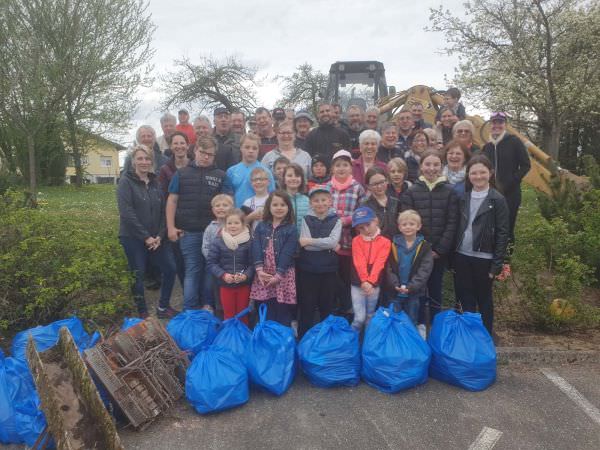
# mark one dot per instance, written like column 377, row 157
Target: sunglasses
column 499, row 115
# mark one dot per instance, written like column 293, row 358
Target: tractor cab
column 359, row 83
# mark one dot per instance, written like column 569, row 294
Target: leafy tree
column 538, row 60
column 302, row 89
column 211, row 83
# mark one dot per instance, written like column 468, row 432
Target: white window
column 105, row 162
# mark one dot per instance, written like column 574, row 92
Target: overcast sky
column 280, row 35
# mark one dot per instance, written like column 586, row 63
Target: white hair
column 369, row 134
column 371, row 109
column 144, row 127
column 167, row 117
column 202, row 118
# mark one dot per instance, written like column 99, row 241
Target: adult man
column 185, row 126
column 146, row 135
column 238, row 122
column 405, row 126
column 264, row 126
column 188, row 204
column 225, row 157
column 326, row 139
column 278, row 117
column 372, row 118
column 389, row 148
column 511, row 163
column 302, row 125
column 417, row 112
column 168, row 123
column 354, row 127
column 336, row 113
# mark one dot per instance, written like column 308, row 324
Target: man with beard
column 405, row 127
column 302, row 125
column 389, row 148
column 326, row 139
column 354, row 127
column 264, row 126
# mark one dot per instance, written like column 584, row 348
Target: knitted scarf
column 233, row 242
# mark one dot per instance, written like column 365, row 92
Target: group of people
column 312, row 220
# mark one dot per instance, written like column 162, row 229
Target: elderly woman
column 389, row 148
column 286, row 148
column 456, row 158
column 142, row 229
column 463, row 132
column 420, row 143
column 385, row 206
column 145, row 135
column 369, row 143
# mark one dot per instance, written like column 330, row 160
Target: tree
column 537, row 60
column 212, row 83
column 303, row 88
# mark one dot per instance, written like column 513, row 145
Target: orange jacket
column 368, row 259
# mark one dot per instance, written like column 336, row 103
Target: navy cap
column 362, row 215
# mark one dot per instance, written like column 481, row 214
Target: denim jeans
column 410, row 305
column 363, row 305
column 138, row 257
column 193, row 261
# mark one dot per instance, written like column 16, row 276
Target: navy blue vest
column 322, row 261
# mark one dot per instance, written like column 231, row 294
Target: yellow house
column 101, row 164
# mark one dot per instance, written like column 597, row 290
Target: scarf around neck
column 339, row 185
column 371, row 238
column 233, row 242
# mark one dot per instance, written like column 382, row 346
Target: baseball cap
column 342, row 154
column 319, row 188
column 303, row 115
column 220, row 110
column 362, row 215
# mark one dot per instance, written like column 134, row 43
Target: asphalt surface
column 524, row 408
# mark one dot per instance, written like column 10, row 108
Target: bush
column 52, row 267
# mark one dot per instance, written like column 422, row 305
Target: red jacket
column 188, row 129
column 368, row 259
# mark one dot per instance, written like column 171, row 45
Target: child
column 293, row 184
column 221, row 205
column 398, row 171
column 370, row 251
column 437, row 204
column 320, row 172
column 274, row 245
column 409, row 266
column 482, row 240
column 253, row 206
column 452, row 101
column 347, row 194
column 230, row 261
column 237, row 178
column 318, row 261
column 279, row 166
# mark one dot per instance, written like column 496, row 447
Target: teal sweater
column 301, row 207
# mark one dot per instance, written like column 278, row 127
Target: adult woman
column 463, row 131
column 285, row 147
column 482, row 239
column 454, row 170
column 385, row 207
column 178, row 143
column 142, row 229
column 447, row 120
column 368, row 142
column 420, row 143
column 388, row 148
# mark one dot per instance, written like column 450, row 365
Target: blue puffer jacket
column 222, row 260
column 285, row 244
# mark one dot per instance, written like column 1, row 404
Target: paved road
column 523, row 410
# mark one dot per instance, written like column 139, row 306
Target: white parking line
column 573, row 394
column 486, row 440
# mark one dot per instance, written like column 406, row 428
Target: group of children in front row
column 327, row 252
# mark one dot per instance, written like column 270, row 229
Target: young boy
column 409, row 266
column 253, row 207
column 370, row 251
column 320, row 172
column 279, row 166
column 221, row 204
column 237, row 178
column 317, row 263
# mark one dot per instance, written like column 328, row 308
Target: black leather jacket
column 490, row 227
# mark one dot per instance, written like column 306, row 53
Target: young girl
column 320, row 172
column 253, row 207
column 482, row 239
column 385, row 207
column 230, row 261
column 437, row 204
column 273, row 248
column 293, row 184
column 397, row 171
column 347, row 194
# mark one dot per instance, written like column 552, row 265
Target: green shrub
column 52, row 267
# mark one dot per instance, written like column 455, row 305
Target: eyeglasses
column 287, row 133
column 207, row 154
column 462, row 131
column 377, row 184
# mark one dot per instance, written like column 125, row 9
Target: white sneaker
column 422, row 330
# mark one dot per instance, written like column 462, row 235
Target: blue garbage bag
column 272, row 355
column 463, row 352
column 193, row 329
column 47, row 336
column 234, row 335
column 216, row 380
column 329, row 353
column 21, row 419
column 394, row 355
column 129, row 322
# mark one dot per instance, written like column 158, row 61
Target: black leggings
column 315, row 291
column 473, row 286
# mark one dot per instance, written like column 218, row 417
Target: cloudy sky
column 277, row 36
